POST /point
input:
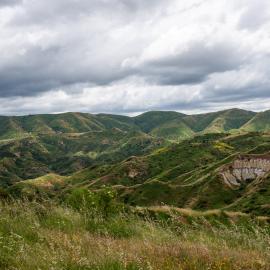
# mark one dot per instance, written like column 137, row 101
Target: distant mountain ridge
column 165, row 124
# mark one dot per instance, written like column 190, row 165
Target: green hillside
column 34, row 156
column 168, row 125
column 173, row 130
column 154, row 158
column 152, row 120
column 260, row 122
column 10, row 128
column 61, row 123
column 184, row 175
column 229, row 120
column 222, row 121
column 200, row 122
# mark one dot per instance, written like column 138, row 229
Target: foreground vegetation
column 80, row 235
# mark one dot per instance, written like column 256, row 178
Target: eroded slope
column 244, row 169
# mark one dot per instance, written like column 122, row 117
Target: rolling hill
column 260, row 122
column 19, row 126
column 152, row 120
column 169, row 125
column 229, row 120
column 186, row 175
column 63, row 153
column 153, row 158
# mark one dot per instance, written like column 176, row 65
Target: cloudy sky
column 131, row 56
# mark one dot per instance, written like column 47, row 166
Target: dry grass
column 35, row 236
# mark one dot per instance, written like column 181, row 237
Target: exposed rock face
column 245, row 168
column 133, row 173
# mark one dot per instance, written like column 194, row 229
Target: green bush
column 103, row 202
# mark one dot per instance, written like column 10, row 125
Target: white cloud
column 128, row 56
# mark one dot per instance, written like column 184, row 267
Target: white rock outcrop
column 245, row 168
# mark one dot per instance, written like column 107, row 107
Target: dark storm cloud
column 193, row 65
column 39, row 70
column 76, row 47
column 250, row 92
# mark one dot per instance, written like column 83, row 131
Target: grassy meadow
column 50, row 235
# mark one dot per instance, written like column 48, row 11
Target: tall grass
column 50, row 236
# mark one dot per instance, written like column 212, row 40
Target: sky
column 131, row 56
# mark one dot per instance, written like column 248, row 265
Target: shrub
column 103, row 201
